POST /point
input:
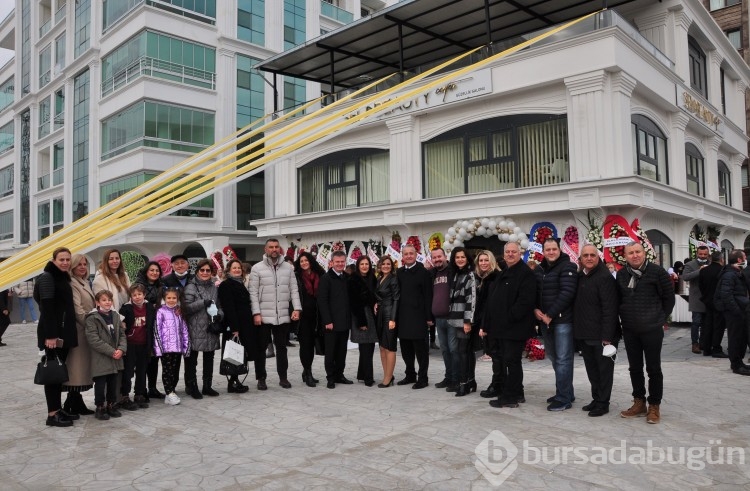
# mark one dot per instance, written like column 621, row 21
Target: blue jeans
column 26, row 304
column 696, row 326
column 449, row 347
column 559, row 348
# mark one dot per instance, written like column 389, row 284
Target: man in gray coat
column 695, row 305
column 273, row 287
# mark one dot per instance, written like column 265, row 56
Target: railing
column 58, row 122
column 58, row 176
column 45, row 27
column 60, row 14
column 44, row 78
column 43, row 182
column 336, row 13
column 151, row 67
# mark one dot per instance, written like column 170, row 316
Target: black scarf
column 635, row 274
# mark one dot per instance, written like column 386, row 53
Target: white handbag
column 234, row 352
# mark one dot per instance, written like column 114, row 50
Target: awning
column 415, row 33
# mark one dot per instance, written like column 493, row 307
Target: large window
column 6, row 137
column 695, row 170
column 697, row 67
column 501, row 153
column 6, row 181
column 59, row 53
column 294, row 92
column 25, row 47
column 6, row 225
column 82, row 27
column 725, row 184
column 44, row 117
column 7, row 90
column 662, row 246
column 81, row 91
column 720, row 4
column 250, row 87
column 58, row 163
column 45, row 65
column 251, row 19
column 735, row 37
column 42, row 220
column 157, row 55
column 294, row 23
column 344, row 180
column 649, row 149
column 202, row 10
column 157, row 125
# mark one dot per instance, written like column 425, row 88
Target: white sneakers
column 171, row 399
column 23, row 321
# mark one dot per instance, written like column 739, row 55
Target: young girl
column 106, row 337
column 171, row 342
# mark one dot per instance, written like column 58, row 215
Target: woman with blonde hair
column 387, row 294
column 485, row 272
column 111, row 276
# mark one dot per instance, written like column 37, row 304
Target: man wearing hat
column 180, row 275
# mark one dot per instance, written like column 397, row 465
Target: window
column 7, row 90
column 25, row 47
column 114, row 10
column 58, row 163
column 81, row 90
column 500, row 153
column 44, row 117
column 722, row 78
column 662, row 246
column 735, row 37
column 148, row 124
column 294, row 23
column 45, row 60
column 345, row 179
column 250, row 87
column 649, row 149
column 59, row 120
column 720, row 4
column 6, row 181
column 251, row 18
column 251, row 202
column 694, row 163
column 112, row 190
column 6, row 225
column 82, row 27
column 202, row 10
column 59, row 53
column 6, row 137
column 58, row 208
column 294, row 93
column 697, row 67
column 42, row 219
column 725, row 184
column 745, row 177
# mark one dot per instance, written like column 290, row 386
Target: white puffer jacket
column 272, row 287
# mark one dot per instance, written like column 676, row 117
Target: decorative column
column 589, row 127
column 711, row 167
column 95, row 132
column 680, row 22
column 225, row 202
column 713, row 74
column 677, row 171
column 68, row 145
column 405, row 160
column 621, row 151
column 735, row 168
column 737, row 103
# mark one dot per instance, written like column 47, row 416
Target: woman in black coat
column 150, row 277
column 485, row 273
column 362, row 285
column 56, row 331
column 234, row 299
column 308, row 273
column 388, row 294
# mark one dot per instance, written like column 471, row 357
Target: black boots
column 74, row 405
column 308, row 379
column 191, row 389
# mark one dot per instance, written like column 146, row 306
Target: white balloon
column 461, row 232
column 446, row 245
column 500, row 219
column 485, row 222
column 477, row 223
column 464, row 224
column 512, row 237
column 470, row 228
column 458, row 243
column 481, row 231
column 516, row 230
column 492, row 224
column 451, row 240
column 505, row 237
column 451, row 231
column 503, row 224
column 511, row 224
column 525, row 243
column 522, row 236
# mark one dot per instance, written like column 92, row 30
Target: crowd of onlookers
column 112, row 332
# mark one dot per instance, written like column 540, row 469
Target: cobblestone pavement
column 355, row 437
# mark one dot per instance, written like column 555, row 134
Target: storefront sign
column 700, row 112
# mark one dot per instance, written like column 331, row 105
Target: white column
column 711, row 169
column 225, row 201
column 736, row 103
column 735, row 167
column 68, row 142
column 679, row 50
column 713, row 69
column 95, row 132
column 677, row 171
column 405, row 160
column 621, row 149
column 589, row 129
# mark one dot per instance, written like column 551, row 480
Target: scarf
column 635, row 274
column 311, row 280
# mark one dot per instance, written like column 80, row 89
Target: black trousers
column 280, row 337
column 736, row 337
column 511, row 373
column 713, row 330
column 600, row 370
column 307, row 330
column 191, row 368
column 467, row 362
column 170, row 370
column 53, row 393
column 419, row 349
column 645, row 345
column 105, row 389
column 4, row 323
column 492, row 348
column 364, row 368
column 335, row 353
column 136, row 362
column 152, row 372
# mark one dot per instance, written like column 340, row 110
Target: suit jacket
column 708, row 279
column 415, row 304
column 333, row 301
column 509, row 313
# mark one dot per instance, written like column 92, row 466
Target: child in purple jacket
column 171, row 342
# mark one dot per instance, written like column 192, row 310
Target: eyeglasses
column 204, row 270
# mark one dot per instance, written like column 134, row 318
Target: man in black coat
column 414, row 311
column 509, row 319
column 647, row 300
column 732, row 300
column 596, row 325
column 180, row 275
column 713, row 321
column 336, row 317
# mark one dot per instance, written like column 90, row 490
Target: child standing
column 139, row 329
column 171, row 342
column 106, row 337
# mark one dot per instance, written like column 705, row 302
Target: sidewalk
column 355, row 437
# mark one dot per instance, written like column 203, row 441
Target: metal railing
column 43, row 182
column 45, row 27
column 151, row 67
column 58, row 122
column 58, row 176
column 44, row 78
column 60, row 14
column 337, row 13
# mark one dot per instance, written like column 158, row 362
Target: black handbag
column 51, row 371
column 215, row 326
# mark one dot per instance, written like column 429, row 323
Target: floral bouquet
column 537, row 235
column 570, row 243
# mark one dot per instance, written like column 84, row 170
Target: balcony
column 45, row 27
column 58, row 122
column 60, row 14
column 151, row 67
column 58, row 176
column 44, row 78
column 43, row 182
column 336, row 13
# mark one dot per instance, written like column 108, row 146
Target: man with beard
column 696, row 306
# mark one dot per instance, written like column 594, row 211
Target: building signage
column 475, row 84
column 700, row 112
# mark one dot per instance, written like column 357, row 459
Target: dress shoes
column 262, row 384
column 344, row 380
column 58, row 419
column 588, row 407
column 420, row 385
column 331, row 384
column 741, row 371
column 497, row 403
column 406, row 381
column 285, row 384
column 443, row 384
column 598, row 410
column 489, row 393
column 154, row 393
column 67, row 415
column 719, row 354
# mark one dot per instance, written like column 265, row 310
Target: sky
column 5, row 7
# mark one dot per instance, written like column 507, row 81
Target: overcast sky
column 5, row 7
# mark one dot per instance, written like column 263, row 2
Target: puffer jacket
column 25, row 289
column 273, row 286
column 171, row 334
column 595, row 308
column 556, row 289
column 103, row 344
column 197, row 294
column 463, row 297
column 731, row 292
column 647, row 306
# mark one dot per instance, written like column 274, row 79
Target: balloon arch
column 504, row 228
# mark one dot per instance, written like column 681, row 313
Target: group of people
column 113, row 332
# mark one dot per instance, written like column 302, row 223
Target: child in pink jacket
column 171, row 342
